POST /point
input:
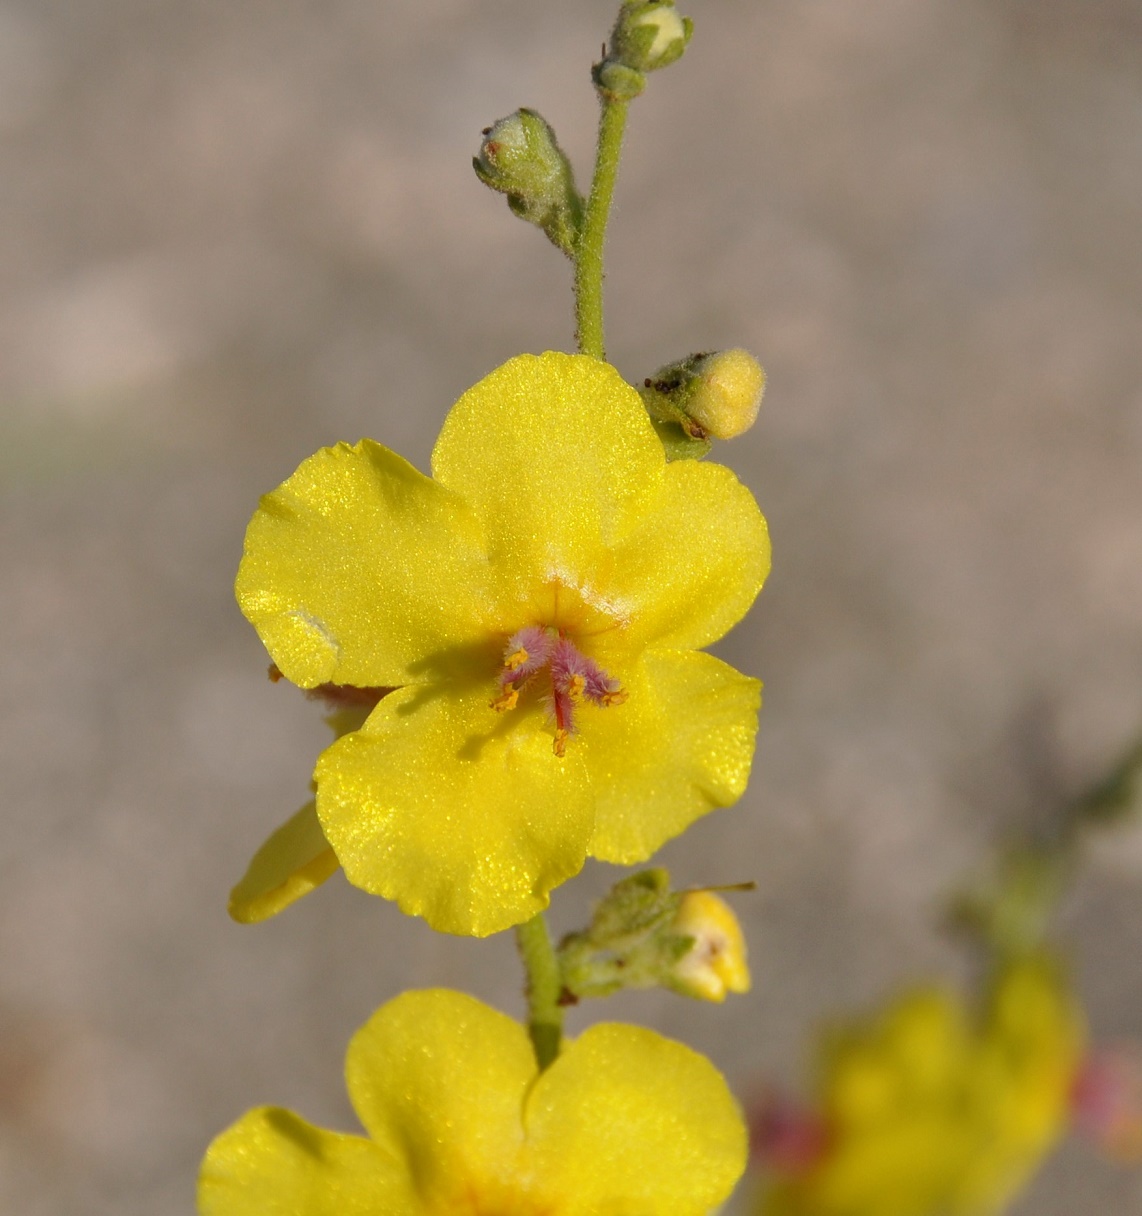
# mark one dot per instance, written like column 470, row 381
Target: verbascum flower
column 927, row 1110
column 624, row 1122
column 539, row 605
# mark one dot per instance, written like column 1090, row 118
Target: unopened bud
column 716, row 963
column 649, row 34
column 714, row 394
column 520, row 157
column 644, row 935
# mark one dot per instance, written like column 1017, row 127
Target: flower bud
column 649, row 34
column 644, row 935
column 716, row 962
column 520, row 157
column 714, row 394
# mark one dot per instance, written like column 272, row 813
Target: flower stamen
column 516, row 659
column 507, row 699
column 574, row 677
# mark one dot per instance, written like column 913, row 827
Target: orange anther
column 516, row 659
column 505, row 701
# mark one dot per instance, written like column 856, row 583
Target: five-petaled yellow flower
column 539, row 606
column 624, row 1122
column 929, row 1110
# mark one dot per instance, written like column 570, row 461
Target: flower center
column 573, row 676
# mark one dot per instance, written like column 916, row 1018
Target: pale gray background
column 234, row 230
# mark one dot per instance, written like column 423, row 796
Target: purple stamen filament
column 575, row 678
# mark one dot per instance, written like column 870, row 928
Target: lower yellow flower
column 625, row 1123
column 927, row 1111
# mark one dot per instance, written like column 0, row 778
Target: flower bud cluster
column 521, row 158
column 644, row 935
column 648, row 35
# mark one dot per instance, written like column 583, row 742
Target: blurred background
column 233, row 232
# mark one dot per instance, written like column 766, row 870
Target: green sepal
column 677, row 444
column 616, row 81
column 630, row 942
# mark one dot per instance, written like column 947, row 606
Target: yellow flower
column 716, row 963
column 539, row 606
column 624, row 1122
column 929, row 1112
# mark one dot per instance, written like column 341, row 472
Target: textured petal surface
column 556, row 455
column 461, row 815
column 294, row 861
column 628, row 1123
column 361, row 570
column 680, row 746
column 696, row 563
column 271, row 1163
column 441, row 1078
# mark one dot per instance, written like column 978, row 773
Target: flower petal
column 441, row 1077
column 272, row 1163
column 680, row 746
column 295, row 860
column 696, row 563
column 359, row 568
column 629, row 1123
column 463, row 816
column 556, row 455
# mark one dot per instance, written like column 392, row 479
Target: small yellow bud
column 712, row 395
column 725, row 401
column 716, row 963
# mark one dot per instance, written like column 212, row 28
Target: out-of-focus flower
column 716, row 963
column 787, row 1135
column 1107, row 1101
column 929, row 1110
column 459, row 1124
column 539, row 606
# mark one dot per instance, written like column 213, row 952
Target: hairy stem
column 544, row 985
column 589, row 248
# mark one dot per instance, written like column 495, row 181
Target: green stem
column 589, row 248
column 544, row 985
